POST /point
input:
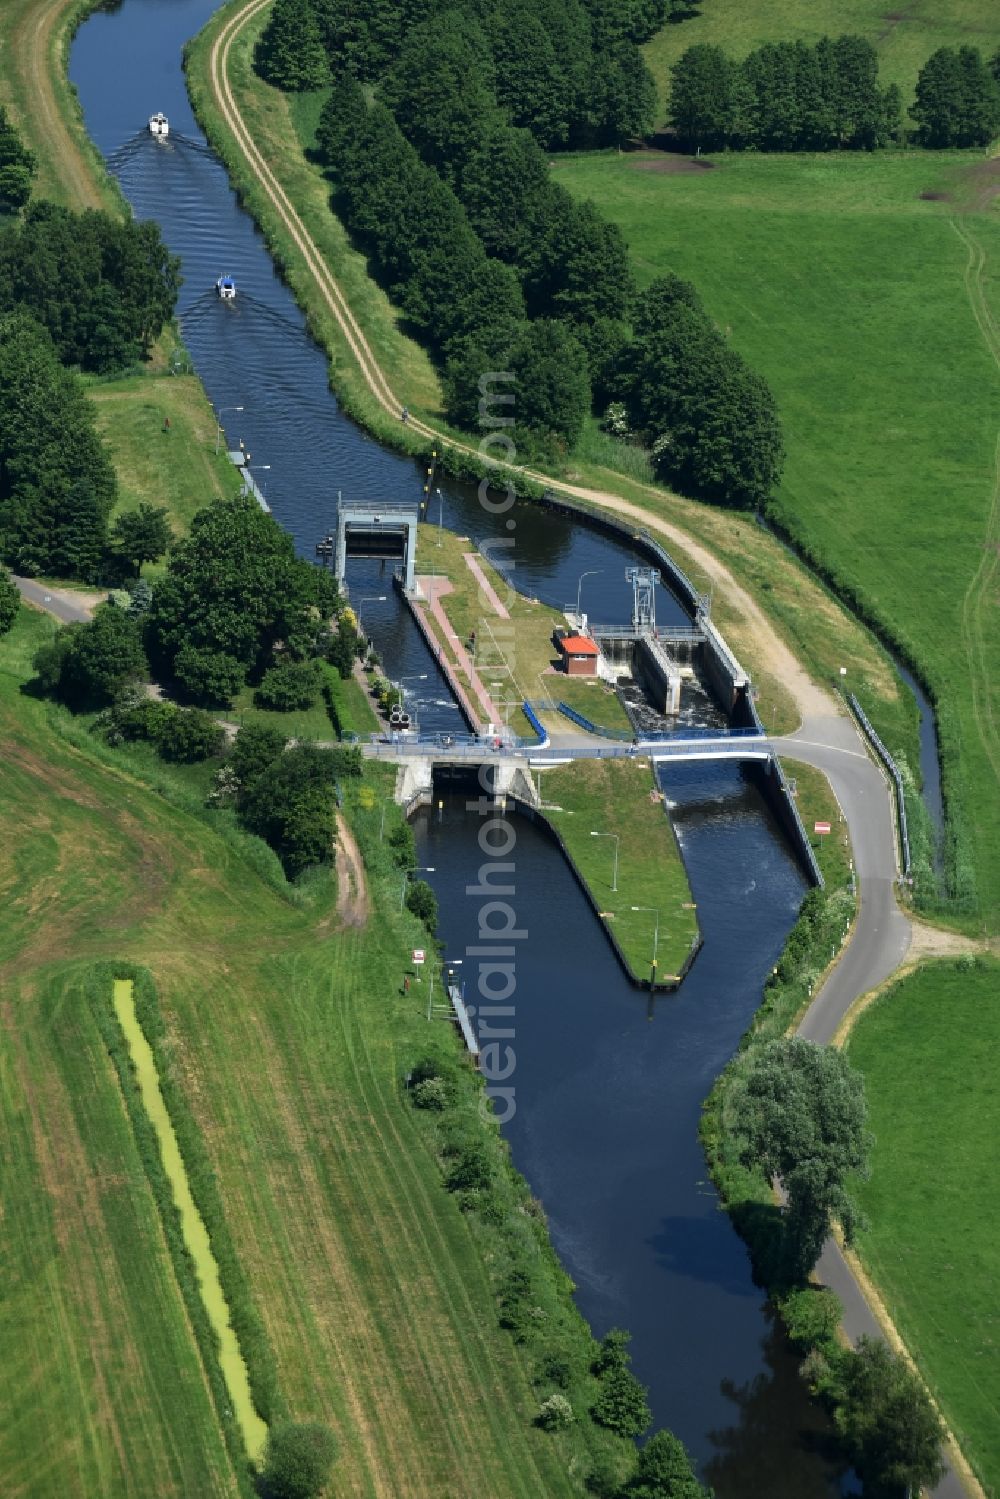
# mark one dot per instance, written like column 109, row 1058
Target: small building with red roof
column 579, row 655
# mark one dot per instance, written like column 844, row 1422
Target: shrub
column 289, row 686
column 188, row 735
column 208, row 676
column 556, row 1368
column 470, row 1170
column 555, row 1413
column 621, row 1406
column 421, row 900
column 403, row 845
column 431, row 1093
column 256, row 747
column 298, row 1460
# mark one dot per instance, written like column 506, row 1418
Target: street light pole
column 371, row 598
column 218, row 422
column 652, row 910
column 615, row 836
column 590, row 573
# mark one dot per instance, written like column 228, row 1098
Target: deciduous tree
column 298, row 1460
column 87, row 666
column 10, row 601
column 57, row 484
column 799, row 1113
column 889, row 1426
column 663, row 1471
column 141, row 535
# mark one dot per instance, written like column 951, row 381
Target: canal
column 608, row 1089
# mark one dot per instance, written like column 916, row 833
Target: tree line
column 570, row 71
column 85, row 290
column 103, row 287
column 790, row 96
column 498, row 268
column 17, row 167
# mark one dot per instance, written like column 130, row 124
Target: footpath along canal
column 608, row 1089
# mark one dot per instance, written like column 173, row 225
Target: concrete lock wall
column 779, row 797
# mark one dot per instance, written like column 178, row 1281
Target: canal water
column 608, row 1089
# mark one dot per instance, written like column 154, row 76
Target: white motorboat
column 159, row 125
column 226, row 287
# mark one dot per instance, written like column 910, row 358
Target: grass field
column 103, row 1388
column 287, row 1037
column 595, row 700
column 177, row 468
column 617, row 797
column 928, row 1053
column 869, row 310
column 33, row 49
column 904, row 37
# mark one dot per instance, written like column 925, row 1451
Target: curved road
column 878, row 945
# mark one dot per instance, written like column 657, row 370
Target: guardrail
column 592, row 728
column 532, row 718
column 897, row 780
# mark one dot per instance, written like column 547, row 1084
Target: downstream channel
column 608, row 1087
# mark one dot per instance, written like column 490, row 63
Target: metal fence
column 897, row 779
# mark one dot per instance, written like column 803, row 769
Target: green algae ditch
column 196, row 1240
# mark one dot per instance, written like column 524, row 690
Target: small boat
column 159, row 125
column 226, row 287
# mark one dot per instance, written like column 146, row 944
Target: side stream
column 196, row 1239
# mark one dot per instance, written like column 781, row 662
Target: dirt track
column 353, row 906
column 30, row 49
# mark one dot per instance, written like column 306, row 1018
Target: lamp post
column 656, row 929
column 419, row 869
column 218, row 422
column 615, row 836
column 371, row 598
column 590, row 573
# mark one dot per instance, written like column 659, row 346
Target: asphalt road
column 57, row 601
column 878, row 945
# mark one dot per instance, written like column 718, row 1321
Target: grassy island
column 620, row 798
